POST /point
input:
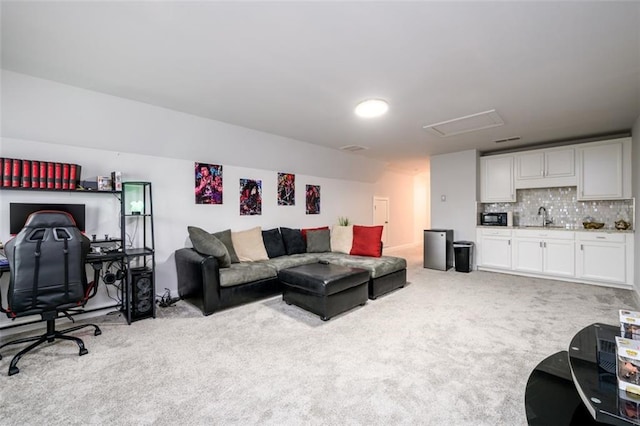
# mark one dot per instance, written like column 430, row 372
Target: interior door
column 381, row 216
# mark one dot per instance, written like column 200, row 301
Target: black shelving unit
column 136, row 227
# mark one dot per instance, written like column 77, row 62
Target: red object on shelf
column 15, row 174
column 65, row 176
column 58, row 176
column 35, row 173
column 50, row 175
column 26, row 173
column 73, row 175
column 6, row 172
column 43, row 174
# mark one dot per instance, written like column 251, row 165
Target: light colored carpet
column 448, row 349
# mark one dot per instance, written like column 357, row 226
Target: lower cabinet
column 547, row 252
column 602, row 257
column 494, row 248
column 592, row 257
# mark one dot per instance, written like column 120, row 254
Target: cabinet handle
column 540, row 244
column 545, row 244
column 581, row 247
column 509, row 241
column 600, row 237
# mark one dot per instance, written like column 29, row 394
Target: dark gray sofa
column 210, row 288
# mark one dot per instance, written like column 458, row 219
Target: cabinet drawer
column 496, row 232
column 542, row 234
column 601, row 236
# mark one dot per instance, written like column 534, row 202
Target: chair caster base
column 97, row 332
column 324, row 318
column 13, row 370
column 83, row 351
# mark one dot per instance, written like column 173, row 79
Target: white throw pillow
column 249, row 245
column 341, row 238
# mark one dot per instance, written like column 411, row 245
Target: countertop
column 558, row 228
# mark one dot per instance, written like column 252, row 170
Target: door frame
column 385, row 232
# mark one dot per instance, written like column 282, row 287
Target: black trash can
column 464, row 255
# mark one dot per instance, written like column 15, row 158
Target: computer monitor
column 19, row 213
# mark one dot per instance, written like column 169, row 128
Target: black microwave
column 493, row 219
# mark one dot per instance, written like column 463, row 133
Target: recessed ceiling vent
column 511, row 139
column 469, row 123
column 353, row 148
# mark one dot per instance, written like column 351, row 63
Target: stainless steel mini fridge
column 438, row 249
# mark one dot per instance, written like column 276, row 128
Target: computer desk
column 93, row 259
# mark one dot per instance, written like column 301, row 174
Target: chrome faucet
column 542, row 211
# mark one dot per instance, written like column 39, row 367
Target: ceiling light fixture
column 371, row 108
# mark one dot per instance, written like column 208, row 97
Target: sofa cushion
column 377, row 266
column 318, row 241
column 342, row 238
column 305, row 230
column 273, row 243
column 366, row 241
column 293, row 241
column 246, row 272
column 208, row 245
column 225, row 237
column 284, row 262
column 249, row 245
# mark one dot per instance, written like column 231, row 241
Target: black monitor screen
column 19, row 213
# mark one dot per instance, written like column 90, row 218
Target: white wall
column 422, row 205
column 455, row 176
column 635, row 168
column 45, row 111
column 399, row 189
column 48, row 121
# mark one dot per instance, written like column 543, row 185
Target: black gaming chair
column 48, row 277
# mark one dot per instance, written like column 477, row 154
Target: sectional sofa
column 211, row 281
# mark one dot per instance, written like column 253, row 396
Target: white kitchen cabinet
column 604, row 170
column 545, row 168
column 602, row 257
column 545, row 252
column 496, row 179
column 494, row 248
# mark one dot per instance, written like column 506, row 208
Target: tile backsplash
column 563, row 207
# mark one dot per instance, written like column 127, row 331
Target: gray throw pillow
column 225, row 237
column 318, row 241
column 208, row 245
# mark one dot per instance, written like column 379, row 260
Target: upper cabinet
column 604, row 170
column 601, row 171
column 545, row 168
column 496, row 179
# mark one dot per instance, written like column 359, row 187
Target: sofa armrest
column 198, row 278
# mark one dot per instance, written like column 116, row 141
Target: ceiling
column 552, row 70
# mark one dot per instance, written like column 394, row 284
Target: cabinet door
column 527, row 254
column 530, row 165
column 602, row 261
column 496, row 252
column 600, row 172
column 559, row 163
column 559, row 257
column 496, row 175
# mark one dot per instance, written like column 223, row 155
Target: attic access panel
column 468, row 123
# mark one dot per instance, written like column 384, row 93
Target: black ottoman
column 325, row 289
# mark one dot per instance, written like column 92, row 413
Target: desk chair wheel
column 13, row 370
column 83, row 351
column 97, row 332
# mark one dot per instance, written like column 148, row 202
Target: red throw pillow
column 367, row 241
column 304, row 231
